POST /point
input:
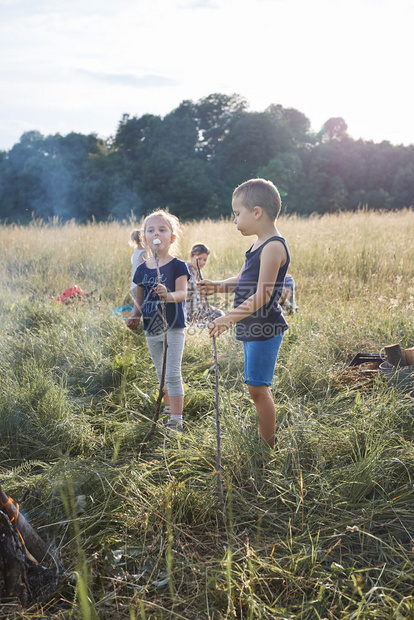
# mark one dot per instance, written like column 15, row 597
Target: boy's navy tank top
column 268, row 321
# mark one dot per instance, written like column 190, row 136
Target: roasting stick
column 218, row 428
column 164, row 360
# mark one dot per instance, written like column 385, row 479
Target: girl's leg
column 176, row 405
column 174, row 392
column 266, row 412
column 156, row 349
column 173, row 380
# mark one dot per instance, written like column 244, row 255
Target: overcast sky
column 79, row 65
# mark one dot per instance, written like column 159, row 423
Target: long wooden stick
column 164, row 365
column 218, row 426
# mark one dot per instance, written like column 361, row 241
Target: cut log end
column 395, row 355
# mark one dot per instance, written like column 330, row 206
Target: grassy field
column 320, row 529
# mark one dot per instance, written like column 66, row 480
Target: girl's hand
column 206, row 287
column 161, row 291
column 133, row 322
column 219, row 326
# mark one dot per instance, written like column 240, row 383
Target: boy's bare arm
column 208, row 287
column 272, row 258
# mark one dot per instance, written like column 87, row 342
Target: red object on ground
column 72, row 291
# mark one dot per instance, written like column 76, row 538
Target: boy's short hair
column 260, row 193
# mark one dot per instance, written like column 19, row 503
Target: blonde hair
column 260, row 193
column 171, row 220
column 135, row 239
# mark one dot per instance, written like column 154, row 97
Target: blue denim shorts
column 260, row 360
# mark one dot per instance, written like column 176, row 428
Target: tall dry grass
column 321, row 528
column 344, row 254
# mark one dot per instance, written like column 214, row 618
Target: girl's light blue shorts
column 260, row 360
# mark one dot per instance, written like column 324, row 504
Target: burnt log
column 34, row 544
column 13, row 570
column 22, row 577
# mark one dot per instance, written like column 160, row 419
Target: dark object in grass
column 362, row 358
column 403, row 378
column 395, row 355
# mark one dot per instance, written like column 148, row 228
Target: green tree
column 192, row 159
column 335, row 128
column 403, row 186
column 190, row 191
column 294, row 127
column 252, row 141
column 286, row 171
column 215, row 115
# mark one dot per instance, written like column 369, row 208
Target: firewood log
column 395, row 355
column 34, row 544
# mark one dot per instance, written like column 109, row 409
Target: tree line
column 191, row 159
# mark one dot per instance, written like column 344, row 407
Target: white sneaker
column 174, row 424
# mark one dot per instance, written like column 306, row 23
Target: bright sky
column 79, row 65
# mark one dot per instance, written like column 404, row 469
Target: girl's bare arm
column 136, row 314
column 176, row 296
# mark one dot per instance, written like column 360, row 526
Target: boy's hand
column 219, row 326
column 206, row 287
column 161, row 291
column 133, row 322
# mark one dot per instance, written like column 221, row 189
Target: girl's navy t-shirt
column 151, row 308
column 268, row 321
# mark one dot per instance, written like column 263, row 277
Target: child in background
column 171, row 289
column 258, row 317
column 138, row 256
column 198, row 310
column 287, row 298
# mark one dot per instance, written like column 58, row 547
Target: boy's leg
column 259, row 365
column 266, row 412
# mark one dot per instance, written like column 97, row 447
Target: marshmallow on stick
column 156, row 242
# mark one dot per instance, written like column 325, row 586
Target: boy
column 259, row 321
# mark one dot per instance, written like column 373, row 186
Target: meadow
column 322, row 528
